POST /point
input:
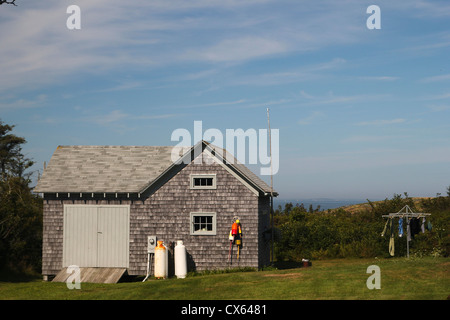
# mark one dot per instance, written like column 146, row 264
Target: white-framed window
column 203, row 181
column 203, row 223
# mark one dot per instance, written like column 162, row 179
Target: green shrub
column 314, row 234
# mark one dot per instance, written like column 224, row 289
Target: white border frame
column 203, row 233
column 203, row 175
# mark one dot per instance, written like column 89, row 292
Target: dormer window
column 203, row 181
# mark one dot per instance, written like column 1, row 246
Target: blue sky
column 361, row 113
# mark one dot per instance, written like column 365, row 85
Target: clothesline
column 409, row 215
column 406, row 215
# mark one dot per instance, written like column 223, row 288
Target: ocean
column 324, row 203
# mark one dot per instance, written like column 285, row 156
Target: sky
column 362, row 113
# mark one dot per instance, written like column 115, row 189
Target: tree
column 20, row 208
column 8, row 2
column 12, row 161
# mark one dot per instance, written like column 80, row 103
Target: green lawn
column 401, row 278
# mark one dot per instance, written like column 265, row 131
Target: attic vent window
column 203, row 181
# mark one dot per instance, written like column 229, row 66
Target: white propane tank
column 180, row 260
column 161, row 261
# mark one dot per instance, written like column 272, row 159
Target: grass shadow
column 14, row 276
column 283, row 265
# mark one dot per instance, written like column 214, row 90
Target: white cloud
column 380, row 78
column 331, row 99
column 438, row 108
column 238, row 49
column 367, row 159
column 105, row 119
column 365, row 138
column 119, row 117
column 118, row 36
column 23, row 103
column 435, row 9
column 306, row 73
column 309, row 119
column 381, row 122
column 443, row 77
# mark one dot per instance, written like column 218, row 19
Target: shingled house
column 102, row 202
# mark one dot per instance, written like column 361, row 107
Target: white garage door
column 96, row 236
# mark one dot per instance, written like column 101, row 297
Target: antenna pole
column 271, row 186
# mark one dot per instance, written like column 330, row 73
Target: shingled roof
column 118, row 169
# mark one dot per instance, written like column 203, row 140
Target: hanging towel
column 385, row 227
column 400, row 227
column 408, row 230
column 391, row 246
column 391, row 240
column 415, row 226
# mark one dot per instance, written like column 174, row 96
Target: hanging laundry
column 385, row 227
column 400, row 227
column 408, row 230
column 415, row 226
column 391, row 240
column 390, row 228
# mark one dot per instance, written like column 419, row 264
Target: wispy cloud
column 436, row 9
column 239, row 49
column 305, row 73
column 309, row 119
column 381, row 122
column 118, row 116
column 12, row 104
column 115, row 36
column 218, row 104
column 444, row 77
column 108, row 118
column 156, row 116
column 125, row 85
column 380, row 78
column 439, row 108
column 368, row 158
column 330, row 98
column 441, row 96
column 366, row 138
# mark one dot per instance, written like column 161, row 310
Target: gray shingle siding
column 165, row 212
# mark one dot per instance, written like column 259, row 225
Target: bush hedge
column 313, row 234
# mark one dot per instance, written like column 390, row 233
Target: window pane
column 196, row 223
column 203, row 182
column 203, row 223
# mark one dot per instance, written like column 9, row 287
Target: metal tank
column 180, row 260
column 161, row 261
